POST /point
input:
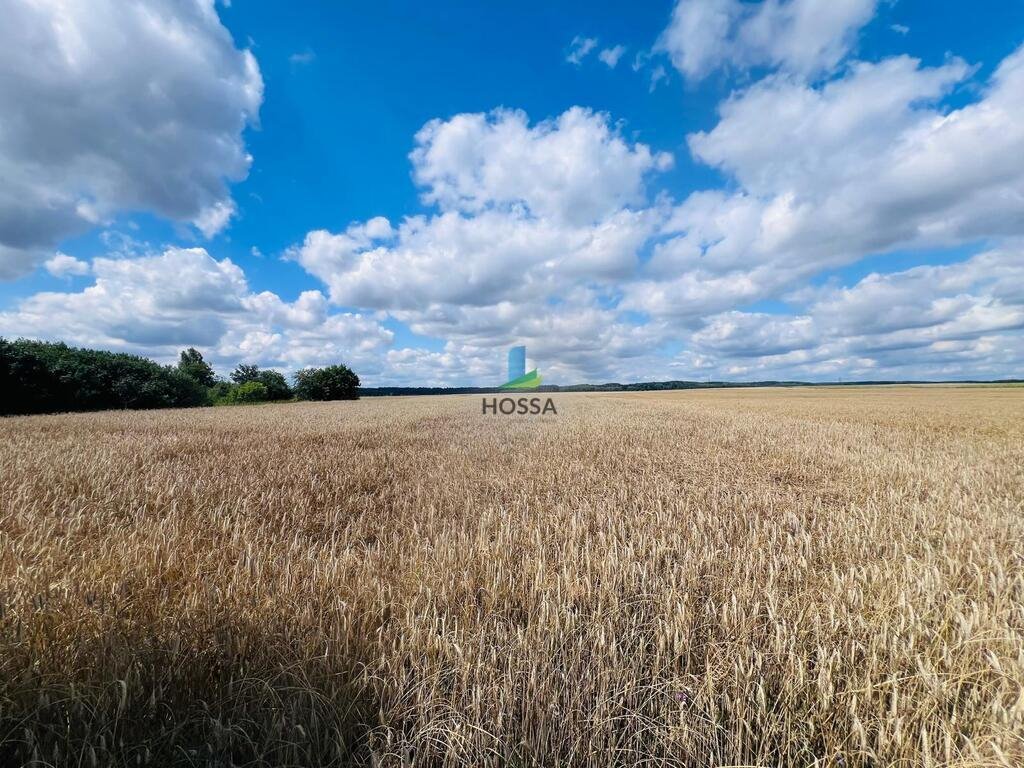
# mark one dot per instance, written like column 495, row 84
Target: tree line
column 47, row 377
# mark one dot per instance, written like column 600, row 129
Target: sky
column 706, row 189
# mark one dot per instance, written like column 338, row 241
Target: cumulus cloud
column 453, row 366
column 804, row 37
column 526, row 215
column 863, row 164
column 159, row 303
column 576, row 338
column 576, row 168
column 484, row 282
column 473, row 260
column 927, row 321
column 524, row 212
column 178, row 297
column 214, row 218
column 536, row 226
column 62, row 265
column 117, row 107
column 821, row 137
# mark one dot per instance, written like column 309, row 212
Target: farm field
column 807, row 576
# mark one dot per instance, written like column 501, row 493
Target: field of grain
column 731, row 577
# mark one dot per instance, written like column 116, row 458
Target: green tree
column 40, row 377
column 244, row 373
column 192, row 365
column 335, row 382
column 276, row 384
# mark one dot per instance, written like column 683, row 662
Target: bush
column 219, row 392
column 276, row 384
column 335, row 382
column 249, row 392
column 41, row 377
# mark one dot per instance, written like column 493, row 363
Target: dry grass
column 787, row 577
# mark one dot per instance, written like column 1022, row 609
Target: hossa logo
column 520, row 406
column 518, row 380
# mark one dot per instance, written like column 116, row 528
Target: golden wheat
column 736, row 577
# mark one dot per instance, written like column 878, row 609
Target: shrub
column 276, row 384
column 219, row 392
column 249, row 392
column 335, row 382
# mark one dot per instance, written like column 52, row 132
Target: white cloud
column 804, row 37
column 580, row 48
column 62, row 265
column 928, row 321
column 157, row 304
column 575, row 340
column 576, row 168
column 478, row 259
column 525, row 212
column 214, row 218
column 181, row 296
column 863, row 164
column 536, row 227
column 611, row 56
column 450, row 367
column 819, row 138
column 180, row 90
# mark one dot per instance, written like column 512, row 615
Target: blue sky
column 796, row 189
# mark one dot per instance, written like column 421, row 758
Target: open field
column 726, row 577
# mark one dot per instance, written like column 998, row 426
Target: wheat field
column 793, row 577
